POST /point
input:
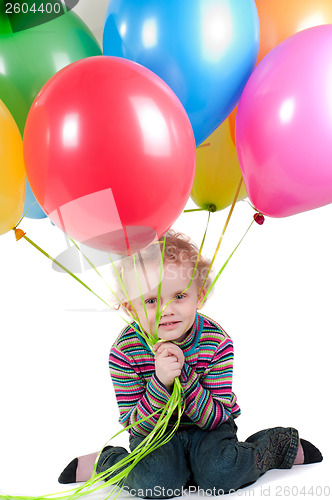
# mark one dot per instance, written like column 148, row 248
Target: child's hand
column 161, row 346
column 168, row 363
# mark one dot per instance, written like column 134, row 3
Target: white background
column 93, row 12
column 274, row 299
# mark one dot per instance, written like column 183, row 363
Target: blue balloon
column 205, row 50
column 35, row 210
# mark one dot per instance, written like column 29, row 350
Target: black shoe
column 312, row 454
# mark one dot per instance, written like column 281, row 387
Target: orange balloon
column 280, row 19
column 231, row 121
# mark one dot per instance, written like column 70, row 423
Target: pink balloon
column 284, row 126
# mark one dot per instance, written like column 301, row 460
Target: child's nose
column 168, row 310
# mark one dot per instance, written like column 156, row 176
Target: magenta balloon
column 284, row 126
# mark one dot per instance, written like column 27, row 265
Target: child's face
column 179, row 315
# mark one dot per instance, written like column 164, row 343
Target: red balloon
column 109, row 153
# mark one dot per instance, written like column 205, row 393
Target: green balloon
column 29, row 57
column 5, row 26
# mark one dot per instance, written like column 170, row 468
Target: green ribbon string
column 225, row 264
column 222, row 235
column 63, row 268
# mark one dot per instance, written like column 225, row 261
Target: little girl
column 204, row 451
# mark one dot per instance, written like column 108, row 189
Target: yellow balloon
column 218, row 172
column 12, row 171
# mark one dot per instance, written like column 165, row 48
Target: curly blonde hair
column 179, row 250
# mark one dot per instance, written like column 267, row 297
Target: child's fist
column 159, row 347
column 168, row 362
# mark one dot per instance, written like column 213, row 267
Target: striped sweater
column 206, row 378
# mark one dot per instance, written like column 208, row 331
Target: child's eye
column 180, row 296
column 151, row 301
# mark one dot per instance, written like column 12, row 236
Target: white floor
column 274, row 299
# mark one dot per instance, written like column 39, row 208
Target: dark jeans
column 214, row 461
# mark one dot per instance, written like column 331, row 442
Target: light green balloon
column 28, row 58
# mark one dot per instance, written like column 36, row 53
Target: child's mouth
column 169, row 325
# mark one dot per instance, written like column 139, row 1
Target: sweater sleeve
column 136, row 399
column 209, row 398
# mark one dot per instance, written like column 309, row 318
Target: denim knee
column 161, row 474
column 221, row 472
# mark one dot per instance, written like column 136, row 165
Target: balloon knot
column 212, row 208
column 259, row 218
column 19, row 234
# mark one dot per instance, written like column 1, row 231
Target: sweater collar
column 189, row 343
